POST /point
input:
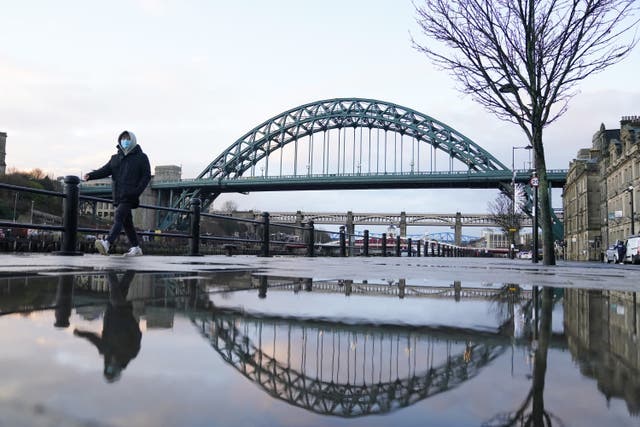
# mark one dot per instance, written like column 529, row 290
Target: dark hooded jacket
column 130, row 173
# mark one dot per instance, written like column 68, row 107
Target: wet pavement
column 214, row 340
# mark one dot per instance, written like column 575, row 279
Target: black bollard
column 262, row 289
column 409, row 247
column 311, row 239
column 264, row 251
column 418, row 248
column 384, row 244
column 343, row 242
column 365, row 243
column 70, row 216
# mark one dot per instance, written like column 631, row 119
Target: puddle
column 240, row 348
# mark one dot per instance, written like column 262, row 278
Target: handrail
column 31, row 190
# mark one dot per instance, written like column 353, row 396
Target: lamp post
column 629, row 189
column 513, row 193
column 535, row 181
column 15, row 206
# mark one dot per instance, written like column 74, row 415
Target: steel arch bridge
column 348, row 143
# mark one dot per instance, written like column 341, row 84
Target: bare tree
column 229, row 206
column 522, row 59
column 503, row 213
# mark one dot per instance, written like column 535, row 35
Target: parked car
column 610, row 254
column 632, row 253
column 524, row 255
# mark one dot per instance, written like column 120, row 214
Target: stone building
column 601, row 183
column 582, row 208
column 3, row 153
column 620, row 176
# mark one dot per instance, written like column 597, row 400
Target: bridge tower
column 457, row 230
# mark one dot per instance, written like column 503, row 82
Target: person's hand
column 86, row 177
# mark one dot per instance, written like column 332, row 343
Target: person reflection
column 120, row 339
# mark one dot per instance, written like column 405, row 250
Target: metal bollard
column 365, row 243
column 384, row 244
column 409, row 247
column 343, row 243
column 419, row 248
column 264, row 251
column 70, row 216
column 311, row 241
column 195, row 227
column 398, row 253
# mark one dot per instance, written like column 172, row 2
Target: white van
column 632, row 253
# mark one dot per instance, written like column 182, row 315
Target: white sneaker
column 134, row 251
column 102, row 246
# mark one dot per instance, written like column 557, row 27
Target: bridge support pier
column 299, row 221
column 403, row 224
column 458, row 230
column 351, row 229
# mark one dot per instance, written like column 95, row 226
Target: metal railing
column 70, row 228
column 265, row 239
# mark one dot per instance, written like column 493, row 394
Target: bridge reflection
column 346, row 370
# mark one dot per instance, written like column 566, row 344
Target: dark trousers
column 123, row 219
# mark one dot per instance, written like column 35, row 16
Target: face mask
column 125, row 143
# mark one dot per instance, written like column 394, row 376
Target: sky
column 191, row 77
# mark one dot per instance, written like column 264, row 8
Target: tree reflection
column 532, row 410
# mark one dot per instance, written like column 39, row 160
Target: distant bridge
column 402, row 220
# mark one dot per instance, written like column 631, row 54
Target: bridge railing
column 264, row 238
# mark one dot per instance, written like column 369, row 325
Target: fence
column 266, row 242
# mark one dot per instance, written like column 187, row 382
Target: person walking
column 130, row 174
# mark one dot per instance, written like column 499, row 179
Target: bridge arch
column 273, row 135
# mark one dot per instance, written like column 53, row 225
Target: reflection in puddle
column 336, row 349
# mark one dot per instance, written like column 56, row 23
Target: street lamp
column 513, row 192
column 15, row 206
column 534, row 182
column 629, row 190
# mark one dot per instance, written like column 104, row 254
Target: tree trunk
column 543, row 210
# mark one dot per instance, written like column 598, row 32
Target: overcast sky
column 191, row 77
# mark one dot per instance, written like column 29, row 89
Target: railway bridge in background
column 342, row 143
column 400, row 220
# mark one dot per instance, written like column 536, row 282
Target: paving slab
column 416, row 271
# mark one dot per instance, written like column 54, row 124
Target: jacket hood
column 134, row 142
